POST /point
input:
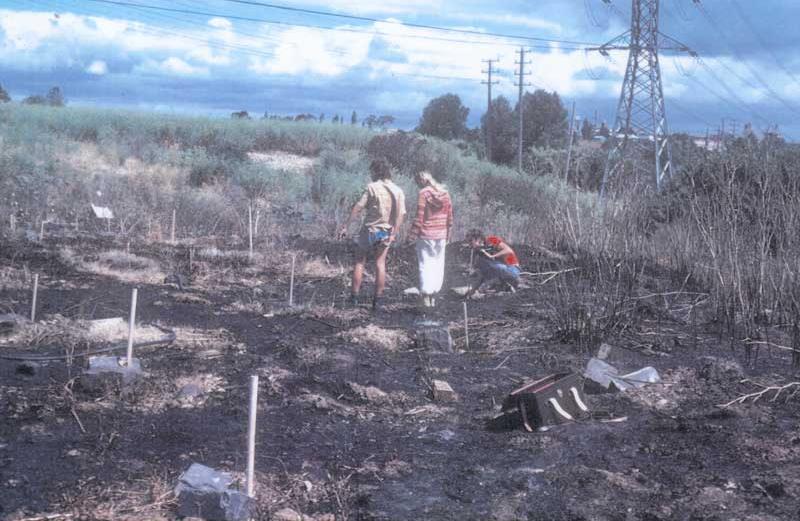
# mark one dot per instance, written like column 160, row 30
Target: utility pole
column 489, row 117
column 569, row 147
column 641, row 129
column 521, row 84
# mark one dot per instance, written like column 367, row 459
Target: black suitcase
column 557, row 398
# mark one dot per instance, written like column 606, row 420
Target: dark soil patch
column 327, row 447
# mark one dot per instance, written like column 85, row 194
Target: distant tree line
column 53, row 98
column 371, row 121
column 545, row 124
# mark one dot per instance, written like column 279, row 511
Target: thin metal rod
column 172, row 230
column 569, row 146
column 291, row 283
column 466, row 326
column 250, row 227
column 131, row 328
column 251, row 437
column 35, row 293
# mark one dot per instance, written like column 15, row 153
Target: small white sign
column 101, row 212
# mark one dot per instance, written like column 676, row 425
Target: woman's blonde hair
column 426, row 178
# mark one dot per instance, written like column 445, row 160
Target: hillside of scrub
column 209, row 171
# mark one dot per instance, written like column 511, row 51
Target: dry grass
column 55, row 331
column 14, row 279
column 283, row 161
column 117, row 264
column 376, row 337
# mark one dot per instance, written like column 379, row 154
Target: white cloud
column 98, row 68
column 171, row 66
column 221, row 23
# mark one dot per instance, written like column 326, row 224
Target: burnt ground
column 347, row 425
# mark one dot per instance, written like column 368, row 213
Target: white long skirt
column 430, row 255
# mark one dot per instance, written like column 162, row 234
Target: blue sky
column 215, row 63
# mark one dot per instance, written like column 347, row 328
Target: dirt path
column 347, row 426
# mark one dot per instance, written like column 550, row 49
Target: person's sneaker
column 353, row 300
column 377, row 303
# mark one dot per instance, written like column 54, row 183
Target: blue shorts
column 492, row 269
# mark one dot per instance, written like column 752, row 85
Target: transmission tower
column 640, row 133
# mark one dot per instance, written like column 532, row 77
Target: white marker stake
column 291, row 284
column 250, row 227
column 471, row 259
column 131, row 328
column 13, row 222
column 41, row 231
column 35, row 293
column 251, row 437
column 466, row 326
column 172, row 230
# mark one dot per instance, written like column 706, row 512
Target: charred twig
column 765, row 389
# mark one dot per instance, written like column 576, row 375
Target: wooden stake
column 13, row 222
column 251, row 437
column 35, row 293
column 41, row 231
column 250, row 227
column 291, row 283
column 466, row 326
column 131, row 328
column 172, row 229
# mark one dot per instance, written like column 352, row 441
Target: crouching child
column 495, row 261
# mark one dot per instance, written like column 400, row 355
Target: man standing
column 384, row 205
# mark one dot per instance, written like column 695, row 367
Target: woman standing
column 431, row 229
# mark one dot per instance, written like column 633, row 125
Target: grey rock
column 286, row 514
column 203, row 492
column 190, row 391
column 720, row 369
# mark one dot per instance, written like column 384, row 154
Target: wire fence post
column 251, row 437
column 466, row 326
column 35, row 293
column 131, row 328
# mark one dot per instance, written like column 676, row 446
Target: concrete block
column 442, row 392
column 433, row 336
column 203, row 492
column 106, row 372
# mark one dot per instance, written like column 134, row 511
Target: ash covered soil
column 347, row 427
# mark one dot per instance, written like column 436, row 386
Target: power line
column 406, row 24
column 314, row 26
column 710, row 20
column 740, row 12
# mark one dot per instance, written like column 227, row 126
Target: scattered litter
column 604, row 377
column 433, row 336
column 203, row 492
column 603, row 351
column 615, row 420
column 554, row 399
column 411, row 292
column 102, row 212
